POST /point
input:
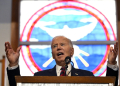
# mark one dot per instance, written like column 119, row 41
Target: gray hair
column 70, row 42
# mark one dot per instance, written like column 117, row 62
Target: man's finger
column 115, row 53
column 6, row 52
column 18, row 49
column 5, row 46
column 116, row 48
column 9, row 46
column 111, row 49
column 116, row 45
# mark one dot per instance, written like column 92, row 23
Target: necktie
column 62, row 71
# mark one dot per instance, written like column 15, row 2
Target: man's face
column 61, row 48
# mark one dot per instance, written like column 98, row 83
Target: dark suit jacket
column 111, row 72
column 74, row 72
column 51, row 72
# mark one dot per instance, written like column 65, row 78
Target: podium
column 64, row 81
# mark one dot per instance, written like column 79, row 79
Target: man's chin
column 61, row 63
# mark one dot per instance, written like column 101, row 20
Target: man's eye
column 54, row 46
column 62, row 44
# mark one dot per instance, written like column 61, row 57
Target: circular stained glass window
column 77, row 21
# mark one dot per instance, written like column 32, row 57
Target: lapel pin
column 76, row 74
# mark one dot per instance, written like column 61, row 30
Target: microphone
column 67, row 60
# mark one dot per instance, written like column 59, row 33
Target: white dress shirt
column 114, row 67
column 58, row 70
column 12, row 68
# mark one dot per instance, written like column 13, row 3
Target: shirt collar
column 59, row 67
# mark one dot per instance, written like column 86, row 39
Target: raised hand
column 113, row 54
column 12, row 55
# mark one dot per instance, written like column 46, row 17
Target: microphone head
column 67, row 60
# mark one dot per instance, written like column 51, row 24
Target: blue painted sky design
column 72, row 21
column 96, row 52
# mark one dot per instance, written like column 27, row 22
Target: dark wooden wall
column 118, row 9
column 118, row 31
column 14, row 24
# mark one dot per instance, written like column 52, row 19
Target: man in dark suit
column 61, row 48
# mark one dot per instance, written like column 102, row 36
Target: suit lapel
column 53, row 71
column 74, row 72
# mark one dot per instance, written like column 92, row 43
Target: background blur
column 9, row 21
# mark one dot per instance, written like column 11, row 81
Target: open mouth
column 60, row 53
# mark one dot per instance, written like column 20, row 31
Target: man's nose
column 58, row 47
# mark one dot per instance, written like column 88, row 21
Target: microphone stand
column 67, row 61
column 66, row 66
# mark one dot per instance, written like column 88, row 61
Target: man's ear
column 52, row 55
column 72, row 52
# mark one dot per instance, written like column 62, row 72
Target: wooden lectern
column 68, row 80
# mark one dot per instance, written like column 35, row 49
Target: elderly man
column 61, row 48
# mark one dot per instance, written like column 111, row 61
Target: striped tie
column 62, row 71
